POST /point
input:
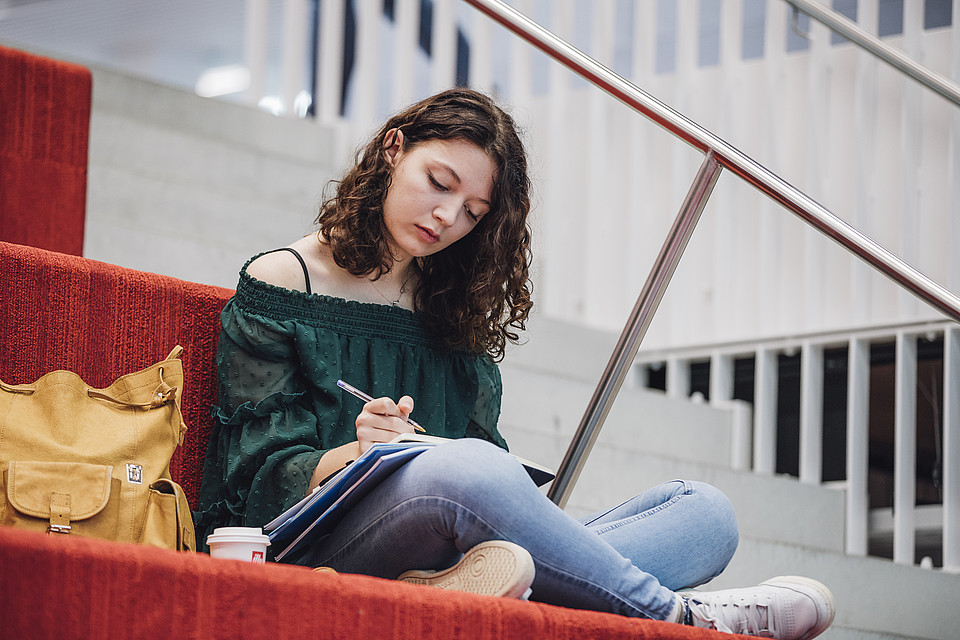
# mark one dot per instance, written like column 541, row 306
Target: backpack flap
column 56, row 493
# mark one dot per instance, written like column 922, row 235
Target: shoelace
column 732, row 617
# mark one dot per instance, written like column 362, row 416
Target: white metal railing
column 811, row 349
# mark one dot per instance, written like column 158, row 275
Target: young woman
column 410, row 289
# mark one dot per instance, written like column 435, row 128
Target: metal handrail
column 640, row 319
column 726, row 156
column 891, row 55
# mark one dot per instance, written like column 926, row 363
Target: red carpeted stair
column 59, row 587
column 44, row 128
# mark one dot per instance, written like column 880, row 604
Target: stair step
column 536, row 402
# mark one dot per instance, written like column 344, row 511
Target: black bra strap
column 306, row 274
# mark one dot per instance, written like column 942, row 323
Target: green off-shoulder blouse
column 280, row 355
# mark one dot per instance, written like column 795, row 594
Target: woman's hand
column 382, row 420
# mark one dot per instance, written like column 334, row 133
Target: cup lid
column 238, row 534
column 238, row 531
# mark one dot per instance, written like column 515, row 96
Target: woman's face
column 439, row 190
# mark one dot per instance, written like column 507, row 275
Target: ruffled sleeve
column 265, row 442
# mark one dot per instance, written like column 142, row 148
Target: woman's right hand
column 382, row 420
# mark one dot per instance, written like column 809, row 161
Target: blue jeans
column 627, row 560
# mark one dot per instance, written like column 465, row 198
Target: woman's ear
column 392, row 145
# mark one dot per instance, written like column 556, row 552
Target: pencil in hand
column 367, row 398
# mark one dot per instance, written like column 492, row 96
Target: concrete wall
column 190, row 187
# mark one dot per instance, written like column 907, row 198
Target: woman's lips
column 427, row 236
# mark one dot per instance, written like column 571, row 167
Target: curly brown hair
column 474, row 294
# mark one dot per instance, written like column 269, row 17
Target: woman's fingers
column 405, row 406
column 382, row 420
column 381, row 407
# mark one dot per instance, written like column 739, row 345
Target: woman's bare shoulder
column 283, row 269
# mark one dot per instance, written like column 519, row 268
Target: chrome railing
column 719, row 154
column 891, row 55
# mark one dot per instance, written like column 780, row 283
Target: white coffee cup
column 239, row 543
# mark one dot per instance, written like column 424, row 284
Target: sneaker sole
column 492, row 568
column 800, row 583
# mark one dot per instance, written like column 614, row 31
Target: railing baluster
column 481, row 54
column 858, row 443
column 626, row 349
column 721, row 377
column 604, row 228
column 953, row 160
column 741, row 415
column 911, row 135
column 443, row 46
column 678, row 377
column 255, row 48
column 951, row 450
column 643, row 184
column 767, row 263
column 406, row 34
column 905, row 450
column 811, row 413
column 765, row 412
column 365, row 97
column 330, row 61
column 728, row 216
column 556, row 289
column 818, row 165
column 521, row 56
column 295, row 36
column 865, row 105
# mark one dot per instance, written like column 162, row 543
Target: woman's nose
column 446, row 213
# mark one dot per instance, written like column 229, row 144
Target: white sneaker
column 787, row 608
column 492, row 568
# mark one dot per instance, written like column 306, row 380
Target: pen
column 367, row 398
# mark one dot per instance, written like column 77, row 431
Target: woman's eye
column 435, row 183
column 472, row 215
